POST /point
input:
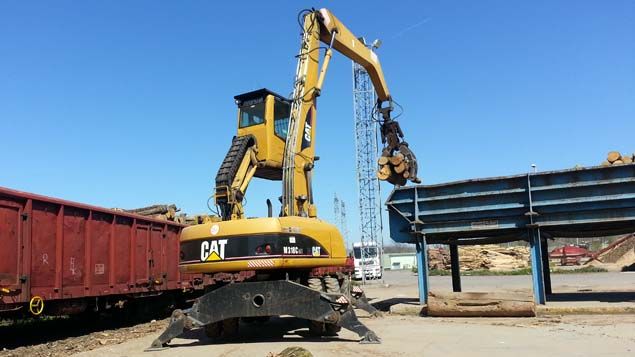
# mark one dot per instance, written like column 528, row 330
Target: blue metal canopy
column 579, row 202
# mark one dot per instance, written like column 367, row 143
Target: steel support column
column 422, row 269
column 537, row 274
column 456, row 268
column 545, row 265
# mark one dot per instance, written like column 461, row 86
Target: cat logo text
column 213, row 250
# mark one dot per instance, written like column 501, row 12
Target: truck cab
column 367, row 260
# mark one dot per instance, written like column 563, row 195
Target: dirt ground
column 416, row 336
column 603, row 335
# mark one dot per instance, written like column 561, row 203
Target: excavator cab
column 264, row 115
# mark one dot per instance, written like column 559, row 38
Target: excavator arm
column 397, row 163
column 255, row 154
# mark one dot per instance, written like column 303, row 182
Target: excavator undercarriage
column 327, row 305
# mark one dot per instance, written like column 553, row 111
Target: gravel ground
column 402, row 335
column 415, row 336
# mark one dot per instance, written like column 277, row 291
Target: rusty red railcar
column 76, row 256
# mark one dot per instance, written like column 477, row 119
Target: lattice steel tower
column 366, row 129
column 339, row 211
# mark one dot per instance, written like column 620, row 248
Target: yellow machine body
column 239, row 245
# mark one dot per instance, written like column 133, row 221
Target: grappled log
column 384, row 173
column 397, row 159
column 383, row 160
column 475, row 304
column 400, row 168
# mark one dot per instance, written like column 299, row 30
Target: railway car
column 59, row 257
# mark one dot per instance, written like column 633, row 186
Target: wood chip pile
column 621, row 252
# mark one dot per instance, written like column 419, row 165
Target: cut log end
column 613, row 156
column 397, row 159
column 383, row 160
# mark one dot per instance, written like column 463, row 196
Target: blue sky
column 129, row 103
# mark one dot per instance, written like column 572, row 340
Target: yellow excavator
column 293, row 264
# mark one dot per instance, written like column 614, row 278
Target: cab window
column 281, row 113
column 253, row 114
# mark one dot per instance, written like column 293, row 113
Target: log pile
column 438, row 259
column 165, row 212
column 616, row 158
column 481, row 257
column 169, row 213
column 493, row 257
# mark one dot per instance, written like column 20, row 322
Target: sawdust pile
column 620, row 254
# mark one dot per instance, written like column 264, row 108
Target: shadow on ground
column 384, row 305
column 613, row 296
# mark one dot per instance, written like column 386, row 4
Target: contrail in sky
column 413, row 26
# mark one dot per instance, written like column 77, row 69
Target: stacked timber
column 169, row 213
column 438, row 259
column 493, row 257
column 616, row 158
column 165, row 212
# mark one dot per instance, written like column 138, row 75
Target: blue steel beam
column 591, row 201
column 537, row 276
column 422, row 270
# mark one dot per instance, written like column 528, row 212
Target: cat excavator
column 293, row 264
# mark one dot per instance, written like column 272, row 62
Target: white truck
column 371, row 261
